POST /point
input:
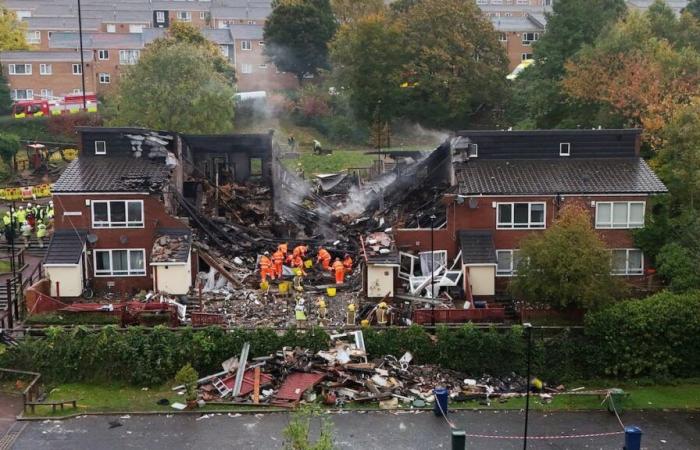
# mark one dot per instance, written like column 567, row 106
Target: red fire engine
column 62, row 105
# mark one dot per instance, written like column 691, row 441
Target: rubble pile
column 343, row 374
column 169, row 248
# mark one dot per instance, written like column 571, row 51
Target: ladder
column 221, row 387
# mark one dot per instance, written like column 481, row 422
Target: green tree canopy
column 567, row 265
column 347, row 11
column 174, row 87
column 12, row 31
column 9, row 146
column 296, row 36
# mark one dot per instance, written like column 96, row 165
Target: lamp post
column 528, row 329
column 82, row 60
column 432, row 266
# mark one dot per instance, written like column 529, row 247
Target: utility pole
column 82, row 60
column 528, row 328
column 432, row 266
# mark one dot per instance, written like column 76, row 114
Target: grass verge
column 94, row 398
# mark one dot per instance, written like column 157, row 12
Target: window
column 520, row 215
column 261, row 43
column 627, row 261
column 22, row 94
column 33, row 37
column 246, row 68
column 77, row 91
column 116, row 263
column 136, row 28
column 473, row 150
column 100, row 147
column 507, row 262
column 105, row 78
column 160, row 16
column 522, row 2
column 45, row 69
column 503, row 37
column 47, row 93
column 564, row 149
column 246, row 45
column 128, row 57
column 49, row 34
column 224, row 50
column 482, row 2
column 529, row 38
column 184, row 16
column 77, row 69
column 619, row 215
column 117, row 213
column 203, row 15
column 262, row 66
column 111, row 28
column 20, row 69
column 23, row 14
column 525, row 56
column 103, row 55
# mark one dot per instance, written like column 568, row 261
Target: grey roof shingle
column 65, row 247
column 71, row 39
column 112, row 174
column 557, row 176
column 477, row 247
column 246, row 31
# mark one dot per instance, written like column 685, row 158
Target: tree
column 12, row 31
column 678, row 265
column 368, row 56
column 187, row 377
column 296, row 36
column 693, row 7
column 536, row 95
column 567, row 265
column 5, row 97
column 454, row 63
column 9, row 146
column 347, row 11
column 639, row 75
column 174, row 87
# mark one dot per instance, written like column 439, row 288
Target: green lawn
column 121, row 398
column 5, row 266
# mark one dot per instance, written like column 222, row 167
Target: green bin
column 615, row 400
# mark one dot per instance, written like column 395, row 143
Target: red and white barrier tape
column 543, row 438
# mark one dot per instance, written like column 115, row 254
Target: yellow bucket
column 308, row 263
column 297, row 271
column 284, row 287
column 264, row 285
column 330, row 291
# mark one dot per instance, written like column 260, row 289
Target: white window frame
column 160, row 16
column 105, row 78
column 103, row 55
column 246, row 68
column 109, row 223
column 512, row 270
column 203, row 15
column 136, row 28
column 503, row 36
column 129, row 272
column 535, row 37
column 28, row 94
column 611, row 224
column 627, row 271
column 184, row 16
column 77, row 69
column 33, row 37
column 525, row 56
column 46, row 93
column 530, row 225
column 564, row 149
column 246, row 45
column 100, row 147
column 111, row 28
column 129, row 57
column 45, row 69
column 12, row 68
column 473, row 150
column 224, row 50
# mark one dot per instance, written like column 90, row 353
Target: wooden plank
column 256, row 386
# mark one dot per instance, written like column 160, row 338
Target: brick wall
column 261, row 78
column 61, row 81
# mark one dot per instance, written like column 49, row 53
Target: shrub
column 188, row 377
column 64, row 124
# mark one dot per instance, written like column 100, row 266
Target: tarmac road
column 368, row 431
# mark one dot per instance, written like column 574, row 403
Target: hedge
column 655, row 337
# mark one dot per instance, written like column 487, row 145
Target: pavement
column 367, row 431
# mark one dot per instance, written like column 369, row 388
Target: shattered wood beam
column 256, row 385
column 219, row 268
column 241, row 369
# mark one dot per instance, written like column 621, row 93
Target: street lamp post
column 82, row 60
column 432, row 266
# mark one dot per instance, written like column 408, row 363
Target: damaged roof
column 477, row 247
column 171, row 245
column 251, row 144
column 557, row 176
column 380, row 248
column 113, row 174
column 66, row 247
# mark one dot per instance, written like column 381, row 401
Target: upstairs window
column 619, row 215
column 627, row 261
column 20, row 69
column 100, row 147
column 160, row 16
column 103, row 55
column 184, row 16
column 128, row 57
column 77, row 69
column 565, row 149
column 503, row 37
column 33, row 37
column 246, row 45
column 45, row 69
column 529, row 38
column 520, row 215
column 117, row 213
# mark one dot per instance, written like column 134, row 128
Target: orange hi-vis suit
column 339, row 269
column 299, row 250
column 283, row 248
column 325, row 258
column 347, row 263
column 297, row 261
column 266, row 269
column 278, row 261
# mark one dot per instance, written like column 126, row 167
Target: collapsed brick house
column 117, row 208
column 507, row 185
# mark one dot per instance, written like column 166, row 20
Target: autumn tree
column 638, row 74
column 368, row 56
column 174, row 87
column 9, row 146
column 347, row 11
column 12, row 37
column 567, row 265
column 454, row 64
column 693, row 7
column 296, row 36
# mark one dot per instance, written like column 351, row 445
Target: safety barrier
column 26, row 192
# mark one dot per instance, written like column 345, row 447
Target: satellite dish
column 460, row 200
column 91, row 238
column 473, row 202
column 123, row 239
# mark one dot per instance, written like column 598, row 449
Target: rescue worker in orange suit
column 278, row 261
column 283, row 247
column 266, row 267
column 339, row 269
column 298, row 262
column 347, row 263
column 299, row 250
column 324, row 257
